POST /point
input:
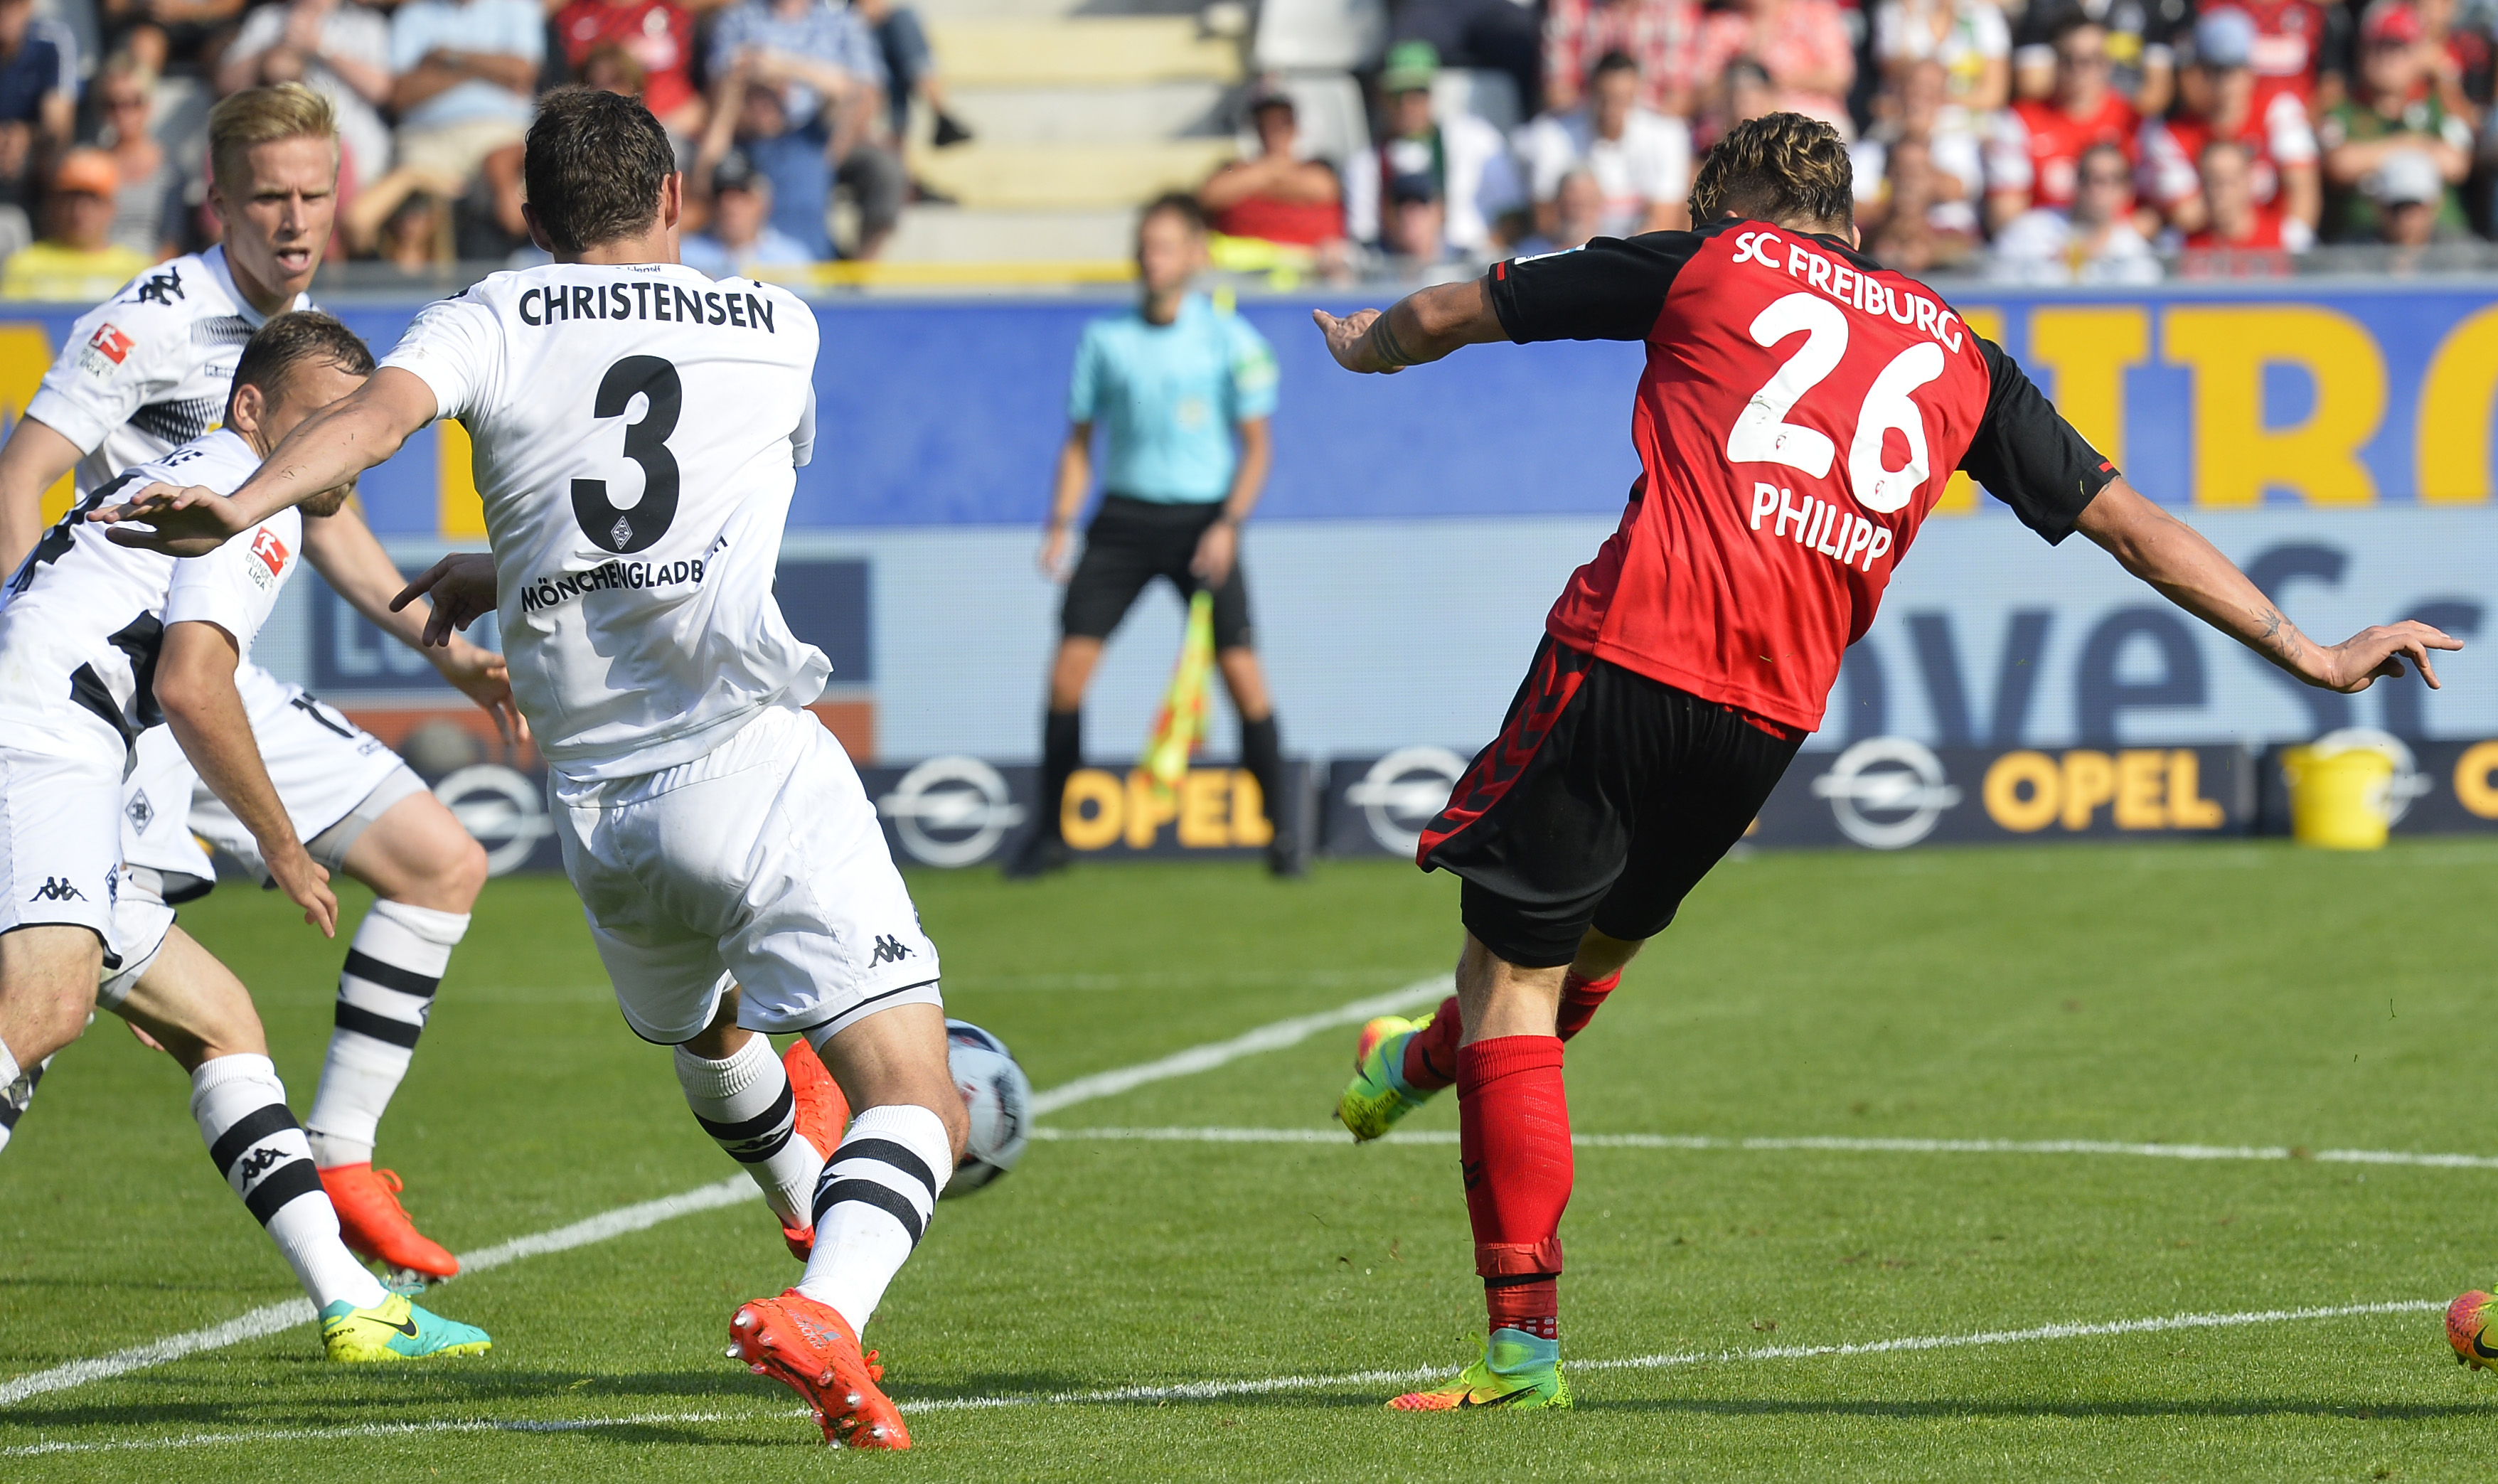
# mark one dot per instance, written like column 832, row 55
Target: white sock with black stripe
column 876, row 1194
column 385, row 992
column 257, row 1145
column 745, row 1102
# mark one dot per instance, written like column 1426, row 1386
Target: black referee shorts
column 1604, row 800
column 1130, row 543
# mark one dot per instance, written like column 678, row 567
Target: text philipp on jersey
column 645, row 298
column 1859, row 292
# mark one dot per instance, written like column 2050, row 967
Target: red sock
column 1580, row 999
column 1513, row 1146
column 1431, row 1055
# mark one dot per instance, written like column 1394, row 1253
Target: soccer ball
column 999, row 1097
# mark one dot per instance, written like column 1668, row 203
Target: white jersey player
column 147, row 372
column 638, row 429
column 100, row 646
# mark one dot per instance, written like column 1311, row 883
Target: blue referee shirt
column 1167, row 396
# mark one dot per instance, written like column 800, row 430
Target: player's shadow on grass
column 1934, row 1410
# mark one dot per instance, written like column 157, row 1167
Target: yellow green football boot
column 1518, row 1370
column 396, row 1330
column 1378, row 1095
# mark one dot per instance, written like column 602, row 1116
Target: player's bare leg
column 873, row 1202
column 427, row 871
column 1398, row 1064
column 1062, row 753
column 195, row 1008
column 47, row 978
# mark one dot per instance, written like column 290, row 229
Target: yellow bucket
column 2337, row 799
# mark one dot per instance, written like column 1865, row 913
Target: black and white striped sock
column 385, row 993
column 256, row 1143
column 876, row 1194
column 746, row 1103
column 17, row 1090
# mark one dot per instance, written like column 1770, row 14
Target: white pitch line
column 1216, row 1391
column 1265, row 1037
column 1209, row 1391
column 1834, row 1145
column 273, row 1318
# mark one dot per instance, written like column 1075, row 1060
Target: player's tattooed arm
column 1420, row 327
column 2191, row 572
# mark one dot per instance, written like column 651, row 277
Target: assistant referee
column 1173, row 383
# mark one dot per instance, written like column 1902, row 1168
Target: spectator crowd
column 2033, row 141
column 777, row 108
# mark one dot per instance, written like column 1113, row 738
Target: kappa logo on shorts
column 57, row 888
column 141, row 813
column 890, row 949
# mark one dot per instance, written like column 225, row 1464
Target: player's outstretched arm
column 35, row 458
column 325, row 451
column 461, row 585
column 344, row 550
column 1421, row 326
column 2191, row 572
column 195, row 670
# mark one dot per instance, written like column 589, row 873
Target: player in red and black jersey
column 1800, row 412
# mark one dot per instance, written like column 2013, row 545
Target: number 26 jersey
column 1799, row 413
column 637, row 431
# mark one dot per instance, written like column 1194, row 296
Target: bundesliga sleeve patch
column 104, row 352
column 268, row 557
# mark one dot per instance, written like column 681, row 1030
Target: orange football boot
column 809, row 1348
column 823, row 1114
column 375, row 1225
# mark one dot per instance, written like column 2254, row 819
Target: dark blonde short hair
column 264, row 115
column 1779, row 167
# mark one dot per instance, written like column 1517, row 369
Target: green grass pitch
column 2221, row 994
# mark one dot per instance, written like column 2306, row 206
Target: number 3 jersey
column 1800, row 411
column 637, row 431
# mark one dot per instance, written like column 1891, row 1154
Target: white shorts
column 325, row 767
column 140, row 920
column 60, row 834
column 155, row 815
column 760, row 864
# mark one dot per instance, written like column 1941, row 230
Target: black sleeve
column 1613, row 289
column 2028, row 457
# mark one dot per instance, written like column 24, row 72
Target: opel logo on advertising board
column 500, row 809
column 1402, row 792
column 1887, row 793
column 951, row 810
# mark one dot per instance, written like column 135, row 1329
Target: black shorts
column 1130, row 543
column 1603, row 801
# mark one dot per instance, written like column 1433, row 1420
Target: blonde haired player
column 638, row 428
column 144, row 372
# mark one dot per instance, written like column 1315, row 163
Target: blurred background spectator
column 2395, row 113
column 147, row 203
column 2092, row 240
column 1496, row 36
column 37, row 108
column 340, row 49
column 1968, row 38
column 2034, row 157
column 2141, row 40
column 184, row 36
column 1660, row 35
column 1456, row 167
column 1577, row 215
column 1274, row 198
column 2238, row 234
column 78, row 261
column 1640, row 160
column 2219, row 104
column 659, row 35
column 1920, row 174
column 465, row 93
column 1804, row 46
column 911, row 72
column 829, row 77
column 741, row 236
column 2414, row 204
